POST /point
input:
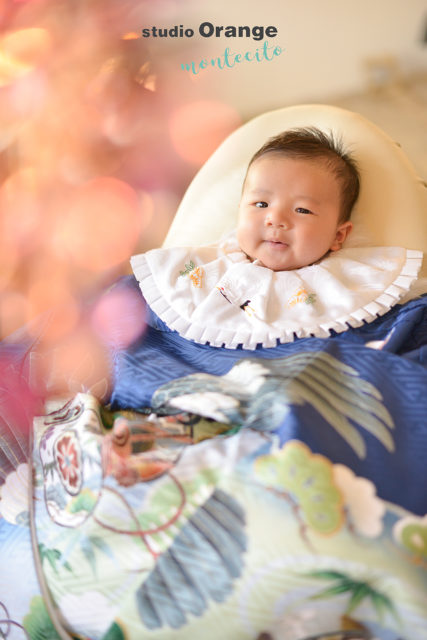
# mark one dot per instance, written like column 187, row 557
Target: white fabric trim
column 214, row 294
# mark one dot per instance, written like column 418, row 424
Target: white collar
column 214, row 294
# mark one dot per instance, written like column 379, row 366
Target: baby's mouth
column 276, row 244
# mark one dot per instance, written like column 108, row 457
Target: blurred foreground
column 95, row 147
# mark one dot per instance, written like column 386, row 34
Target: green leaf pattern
column 308, row 480
column 358, row 592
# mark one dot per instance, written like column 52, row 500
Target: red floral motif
column 68, row 462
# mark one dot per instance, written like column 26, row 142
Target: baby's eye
column 261, row 204
column 302, row 210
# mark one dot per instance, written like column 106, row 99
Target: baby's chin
column 283, row 265
column 275, row 260
column 274, row 265
column 277, row 268
column 282, row 259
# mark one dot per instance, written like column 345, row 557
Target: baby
column 283, row 273
column 297, row 199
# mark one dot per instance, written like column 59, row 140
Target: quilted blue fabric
column 397, row 370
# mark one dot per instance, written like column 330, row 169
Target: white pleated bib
column 214, row 294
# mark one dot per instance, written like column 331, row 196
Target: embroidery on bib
column 232, row 299
column 196, row 277
column 195, row 273
column 188, row 267
column 301, row 296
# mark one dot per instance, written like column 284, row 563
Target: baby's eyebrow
column 304, row 196
column 259, row 190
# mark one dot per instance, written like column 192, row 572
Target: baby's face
column 289, row 212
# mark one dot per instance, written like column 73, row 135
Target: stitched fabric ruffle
column 215, row 294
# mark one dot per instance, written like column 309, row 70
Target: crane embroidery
column 233, row 299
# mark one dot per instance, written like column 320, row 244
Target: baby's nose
column 277, row 218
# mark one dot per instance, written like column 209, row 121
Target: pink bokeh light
column 197, row 128
column 119, row 317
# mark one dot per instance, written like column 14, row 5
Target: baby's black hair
column 311, row 143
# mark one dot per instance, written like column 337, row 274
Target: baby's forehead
column 277, row 157
column 263, row 167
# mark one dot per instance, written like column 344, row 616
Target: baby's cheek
column 246, row 238
column 241, row 232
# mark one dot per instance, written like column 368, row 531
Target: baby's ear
column 343, row 230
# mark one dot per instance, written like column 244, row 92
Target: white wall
column 325, row 42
